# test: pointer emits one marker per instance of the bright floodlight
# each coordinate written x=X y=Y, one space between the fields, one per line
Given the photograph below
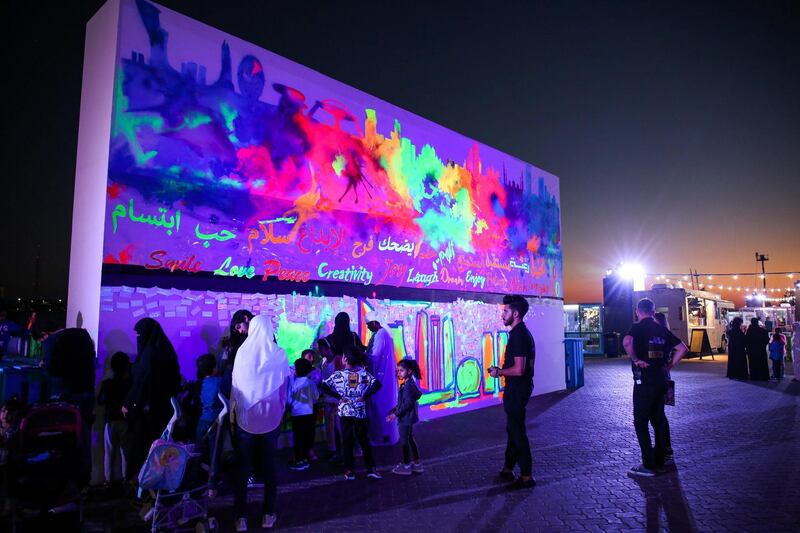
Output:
x=633 y=272
x=630 y=271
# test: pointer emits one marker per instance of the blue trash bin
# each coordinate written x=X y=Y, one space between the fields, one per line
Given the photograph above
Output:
x=573 y=351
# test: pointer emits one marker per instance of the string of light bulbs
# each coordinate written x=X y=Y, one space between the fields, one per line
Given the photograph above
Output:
x=734 y=275
x=704 y=278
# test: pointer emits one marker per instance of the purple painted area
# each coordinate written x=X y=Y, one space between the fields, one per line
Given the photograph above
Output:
x=226 y=158
x=453 y=359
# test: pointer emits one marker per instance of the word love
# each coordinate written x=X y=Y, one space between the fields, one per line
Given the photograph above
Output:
x=235 y=271
x=159 y=259
x=221 y=236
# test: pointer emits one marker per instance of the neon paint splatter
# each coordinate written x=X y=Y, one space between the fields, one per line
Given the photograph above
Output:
x=252 y=146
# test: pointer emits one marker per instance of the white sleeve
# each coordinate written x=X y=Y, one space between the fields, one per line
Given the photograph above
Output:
x=378 y=344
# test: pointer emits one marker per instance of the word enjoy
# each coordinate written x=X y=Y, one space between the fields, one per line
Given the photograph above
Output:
x=475 y=279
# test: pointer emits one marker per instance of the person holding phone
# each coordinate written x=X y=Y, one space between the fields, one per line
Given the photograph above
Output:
x=518 y=373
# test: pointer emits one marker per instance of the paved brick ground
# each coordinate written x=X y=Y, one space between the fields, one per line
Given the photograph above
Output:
x=737 y=450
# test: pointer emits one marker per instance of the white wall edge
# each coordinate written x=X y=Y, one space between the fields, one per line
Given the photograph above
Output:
x=91 y=169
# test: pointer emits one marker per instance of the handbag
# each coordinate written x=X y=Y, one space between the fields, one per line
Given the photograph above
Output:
x=669 y=395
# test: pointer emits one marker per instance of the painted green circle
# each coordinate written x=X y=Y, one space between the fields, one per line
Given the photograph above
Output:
x=468 y=376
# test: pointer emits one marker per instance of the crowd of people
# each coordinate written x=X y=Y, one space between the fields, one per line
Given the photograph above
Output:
x=751 y=348
x=340 y=379
x=337 y=377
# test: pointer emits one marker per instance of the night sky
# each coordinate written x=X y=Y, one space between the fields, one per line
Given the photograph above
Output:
x=674 y=127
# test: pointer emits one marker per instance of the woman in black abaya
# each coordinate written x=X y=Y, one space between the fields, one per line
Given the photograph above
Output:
x=737 y=355
x=756 y=341
x=342 y=338
x=156 y=378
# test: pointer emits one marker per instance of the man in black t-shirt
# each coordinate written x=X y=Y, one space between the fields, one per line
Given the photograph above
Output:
x=649 y=344
x=518 y=371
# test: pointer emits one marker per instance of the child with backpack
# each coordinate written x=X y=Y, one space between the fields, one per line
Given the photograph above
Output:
x=352 y=386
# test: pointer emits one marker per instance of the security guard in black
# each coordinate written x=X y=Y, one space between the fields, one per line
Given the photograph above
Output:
x=652 y=344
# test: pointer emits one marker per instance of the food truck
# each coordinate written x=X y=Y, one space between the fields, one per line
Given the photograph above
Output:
x=689 y=310
x=780 y=317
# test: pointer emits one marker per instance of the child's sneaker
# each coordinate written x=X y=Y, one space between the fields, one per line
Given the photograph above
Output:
x=373 y=474
x=268 y=521
x=349 y=476
x=241 y=525
x=402 y=470
x=418 y=468
x=299 y=465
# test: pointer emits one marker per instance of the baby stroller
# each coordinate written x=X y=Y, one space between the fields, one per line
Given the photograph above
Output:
x=45 y=462
x=175 y=473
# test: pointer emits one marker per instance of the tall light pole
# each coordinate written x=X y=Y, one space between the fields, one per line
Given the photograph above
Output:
x=762 y=258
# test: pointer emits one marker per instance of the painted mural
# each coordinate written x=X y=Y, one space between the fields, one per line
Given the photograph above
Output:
x=454 y=343
x=242 y=163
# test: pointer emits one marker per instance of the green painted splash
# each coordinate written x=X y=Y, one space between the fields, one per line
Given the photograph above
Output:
x=294 y=337
x=193 y=120
x=339 y=164
x=229 y=114
x=454 y=224
x=126 y=124
x=236 y=184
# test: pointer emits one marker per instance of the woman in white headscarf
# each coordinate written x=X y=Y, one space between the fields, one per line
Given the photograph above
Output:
x=258 y=400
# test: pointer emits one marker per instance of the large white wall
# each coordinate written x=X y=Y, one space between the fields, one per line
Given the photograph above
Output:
x=91 y=169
